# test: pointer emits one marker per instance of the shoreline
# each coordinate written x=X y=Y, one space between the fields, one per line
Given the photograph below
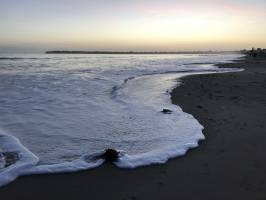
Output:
x=229 y=164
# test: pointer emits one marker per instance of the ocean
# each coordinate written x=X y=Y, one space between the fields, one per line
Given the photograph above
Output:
x=60 y=111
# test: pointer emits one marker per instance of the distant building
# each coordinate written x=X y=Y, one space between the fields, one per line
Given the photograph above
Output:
x=259 y=52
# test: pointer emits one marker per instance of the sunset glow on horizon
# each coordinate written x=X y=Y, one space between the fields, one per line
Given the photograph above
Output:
x=169 y=25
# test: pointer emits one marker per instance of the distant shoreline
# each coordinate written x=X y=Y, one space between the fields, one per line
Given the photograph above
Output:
x=138 y=52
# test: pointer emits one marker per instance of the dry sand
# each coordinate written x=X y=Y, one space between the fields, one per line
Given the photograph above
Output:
x=229 y=164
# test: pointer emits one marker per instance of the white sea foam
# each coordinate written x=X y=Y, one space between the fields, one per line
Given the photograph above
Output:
x=66 y=109
x=26 y=159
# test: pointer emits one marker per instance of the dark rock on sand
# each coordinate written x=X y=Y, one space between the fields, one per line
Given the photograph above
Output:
x=167 y=111
x=199 y=107
x=110 y=155
x=234 y=98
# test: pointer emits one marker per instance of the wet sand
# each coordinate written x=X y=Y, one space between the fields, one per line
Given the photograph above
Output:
x=229 y=164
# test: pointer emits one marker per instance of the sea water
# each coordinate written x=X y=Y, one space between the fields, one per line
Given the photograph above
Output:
x=58 y=111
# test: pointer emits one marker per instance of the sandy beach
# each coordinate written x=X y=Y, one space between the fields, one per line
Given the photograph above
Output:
x=229 y=164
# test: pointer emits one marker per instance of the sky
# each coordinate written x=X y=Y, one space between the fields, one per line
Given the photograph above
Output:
x=131 y=25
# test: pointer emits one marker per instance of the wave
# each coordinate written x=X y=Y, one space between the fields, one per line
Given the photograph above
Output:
x=126 y=117
x=116 y=88
x=26 y=163
x=14 y=58
x=21 y=58
x=26 y=159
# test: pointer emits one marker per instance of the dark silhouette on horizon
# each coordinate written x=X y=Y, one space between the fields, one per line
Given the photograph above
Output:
x=135 y=52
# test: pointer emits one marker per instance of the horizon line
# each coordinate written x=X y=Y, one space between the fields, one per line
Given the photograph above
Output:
x=137 y=52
